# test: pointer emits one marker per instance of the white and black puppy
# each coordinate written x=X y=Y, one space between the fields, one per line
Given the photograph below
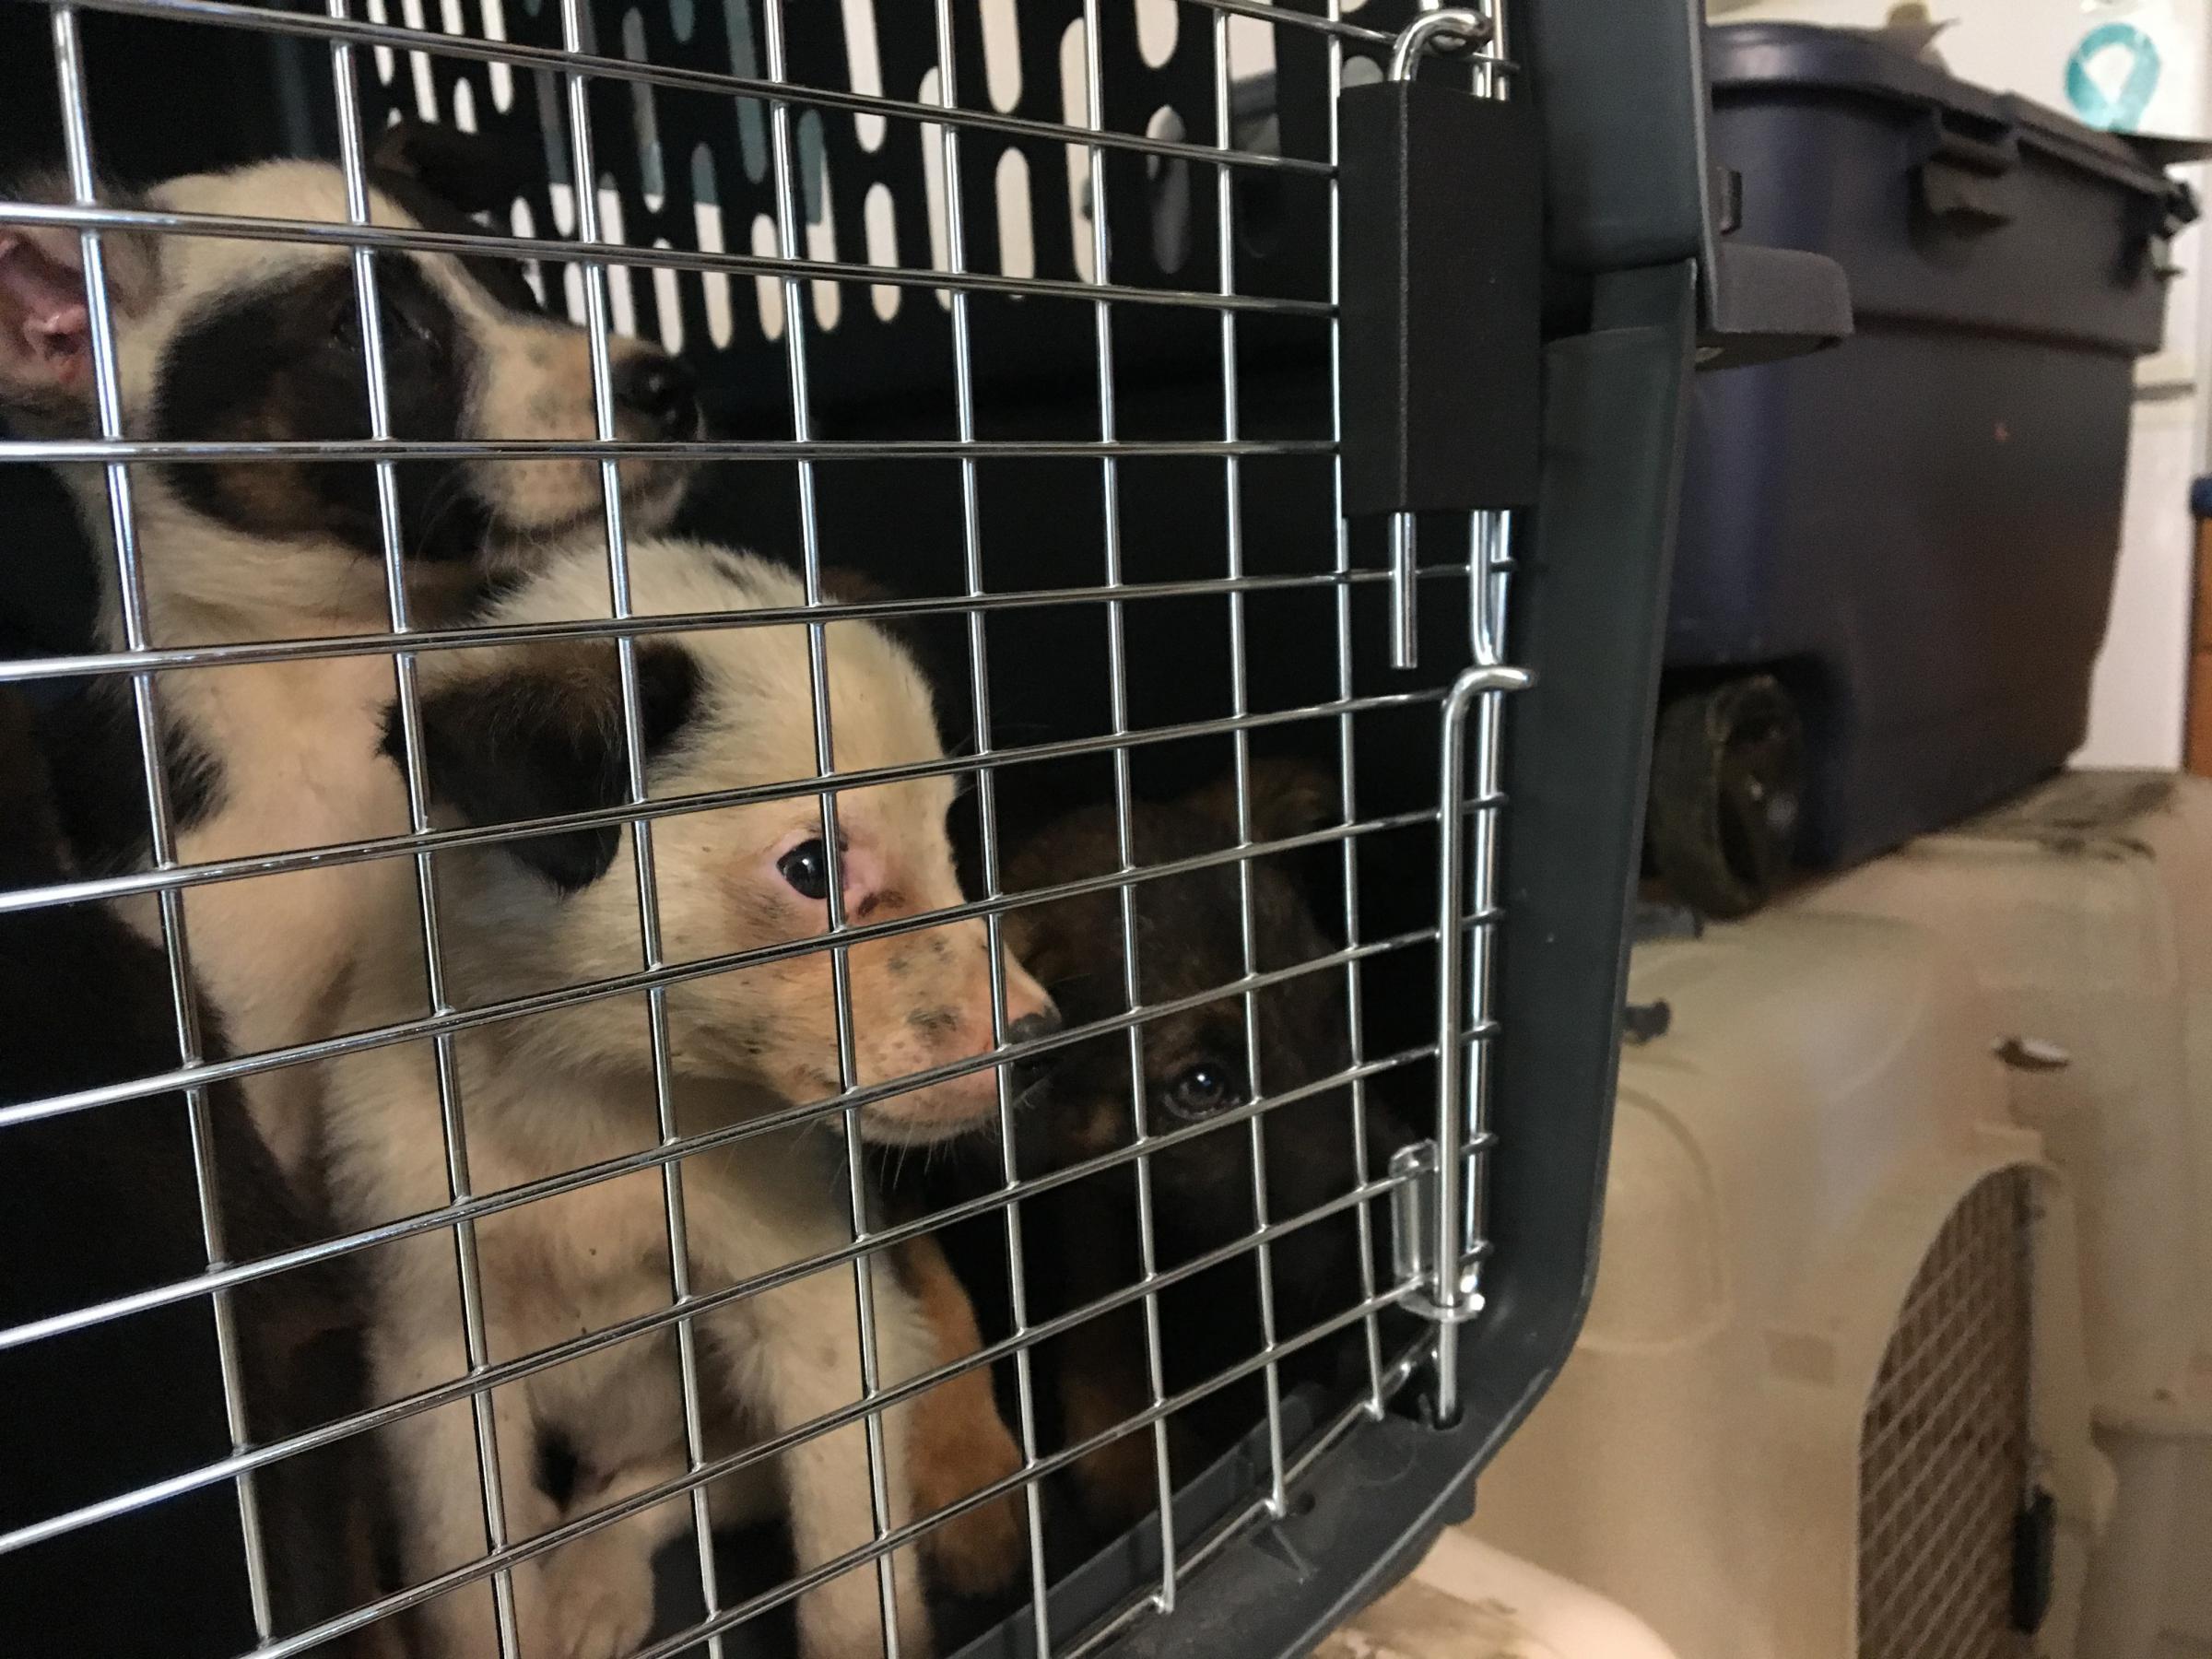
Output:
x=519 y=732
x=228 y=340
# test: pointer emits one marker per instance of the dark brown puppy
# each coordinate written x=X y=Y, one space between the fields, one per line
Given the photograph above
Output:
x=1082 y=1240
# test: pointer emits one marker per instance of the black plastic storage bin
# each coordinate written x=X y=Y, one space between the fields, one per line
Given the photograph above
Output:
x=1914 y=534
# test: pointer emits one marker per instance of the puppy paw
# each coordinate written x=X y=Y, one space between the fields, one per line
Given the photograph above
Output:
x=1119 y=1482
x=843 y=1618
x=979 y=1551
x=599 y=1621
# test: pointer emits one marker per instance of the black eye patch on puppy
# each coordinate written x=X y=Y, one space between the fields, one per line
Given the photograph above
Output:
x=543 y=737
x=281 y=361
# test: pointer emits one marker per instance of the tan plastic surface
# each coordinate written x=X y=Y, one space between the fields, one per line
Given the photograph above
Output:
x=2085 y=910
x=2086 y=913
x=1783 y=1160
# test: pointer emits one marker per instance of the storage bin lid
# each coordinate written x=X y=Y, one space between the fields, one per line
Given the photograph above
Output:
x=1749 y=58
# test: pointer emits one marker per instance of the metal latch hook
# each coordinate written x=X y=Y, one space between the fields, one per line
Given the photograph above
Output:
x=1447 y=28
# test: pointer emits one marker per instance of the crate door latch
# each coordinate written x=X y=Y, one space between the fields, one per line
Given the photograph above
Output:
x=1438 y=1230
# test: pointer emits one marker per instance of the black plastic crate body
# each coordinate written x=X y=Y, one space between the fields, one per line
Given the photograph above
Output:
x=693 y=170
x=1595 y=549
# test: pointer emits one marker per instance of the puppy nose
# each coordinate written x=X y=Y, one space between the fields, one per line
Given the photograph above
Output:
x=1031 y=1072
x=661 y=389
x=1027 y=1000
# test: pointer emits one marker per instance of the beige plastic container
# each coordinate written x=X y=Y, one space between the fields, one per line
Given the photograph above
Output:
x=1830 y=1259
x=2085 y=910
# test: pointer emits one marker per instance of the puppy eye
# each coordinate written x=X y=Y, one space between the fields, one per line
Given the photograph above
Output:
x=806 y=868
x=410 y=321
x=345 y=327
x=1201 y=1090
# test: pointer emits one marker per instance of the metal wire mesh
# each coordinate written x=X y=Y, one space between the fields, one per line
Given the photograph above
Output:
x=950 y=301
x=1943 y=1458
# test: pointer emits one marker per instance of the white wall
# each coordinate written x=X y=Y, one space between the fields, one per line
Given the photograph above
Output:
x=2138 y=696
x=2140 y=688
x=2022 y=45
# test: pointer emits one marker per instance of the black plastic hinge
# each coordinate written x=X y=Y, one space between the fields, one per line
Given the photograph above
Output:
x=1443 y=230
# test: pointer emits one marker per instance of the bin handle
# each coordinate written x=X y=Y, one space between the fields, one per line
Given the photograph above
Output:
x=1964 y=175
x=1993 y=151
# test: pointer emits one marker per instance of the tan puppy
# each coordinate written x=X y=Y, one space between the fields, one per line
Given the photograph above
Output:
x=228 y=340
x=522 y=731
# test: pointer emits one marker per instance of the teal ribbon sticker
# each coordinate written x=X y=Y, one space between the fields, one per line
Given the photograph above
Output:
x=2093 y=100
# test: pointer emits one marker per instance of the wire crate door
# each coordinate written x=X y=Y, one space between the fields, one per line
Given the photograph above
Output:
x=1001 y=350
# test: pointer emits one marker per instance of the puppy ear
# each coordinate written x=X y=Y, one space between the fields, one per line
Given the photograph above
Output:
x=45 y=322
x=471 y=173
x=542 y=738
x=1289 y=798
x=841 y=584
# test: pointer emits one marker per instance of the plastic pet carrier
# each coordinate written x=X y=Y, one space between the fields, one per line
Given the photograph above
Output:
x=1140 y=414
x=1895 y=560
x=1829 y=1400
